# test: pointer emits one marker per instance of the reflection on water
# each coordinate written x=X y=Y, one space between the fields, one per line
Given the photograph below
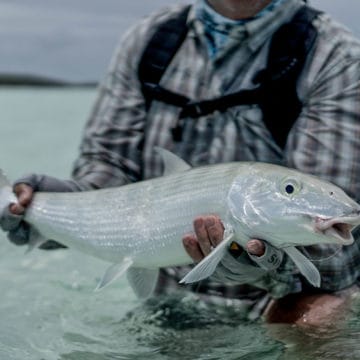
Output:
x=48 y=308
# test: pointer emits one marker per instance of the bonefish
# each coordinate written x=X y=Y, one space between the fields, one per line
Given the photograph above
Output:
x=138 y=227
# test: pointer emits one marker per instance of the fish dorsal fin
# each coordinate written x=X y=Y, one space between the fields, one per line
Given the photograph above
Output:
x=305 y=266
x=113 y=272
x=172 y=163
x=142 y=281
x=207 y=266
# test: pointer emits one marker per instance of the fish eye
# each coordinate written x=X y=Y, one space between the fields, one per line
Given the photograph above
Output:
x=290 y=187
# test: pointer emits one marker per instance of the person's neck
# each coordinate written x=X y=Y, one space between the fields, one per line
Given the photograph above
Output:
x=238 y=9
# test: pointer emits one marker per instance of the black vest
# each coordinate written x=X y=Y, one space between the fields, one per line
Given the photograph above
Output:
x=275 y=86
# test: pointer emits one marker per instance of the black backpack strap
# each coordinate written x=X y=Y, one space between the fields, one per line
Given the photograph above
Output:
x=158 y=54
x=275 y=90
x=288 y=52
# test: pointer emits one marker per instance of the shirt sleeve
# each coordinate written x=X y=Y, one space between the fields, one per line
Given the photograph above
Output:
x=110 y=151
x=112 y=141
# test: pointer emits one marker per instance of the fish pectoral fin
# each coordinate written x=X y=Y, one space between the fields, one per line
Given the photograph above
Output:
x=142 y=281
x=172 y=163
x=113 y=272
x=305 y=266
x=207 y=265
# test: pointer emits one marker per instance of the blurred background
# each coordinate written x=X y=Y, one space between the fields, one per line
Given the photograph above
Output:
x=73 y=39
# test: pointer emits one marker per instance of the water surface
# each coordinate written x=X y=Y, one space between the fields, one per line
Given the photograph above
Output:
x=48 y=308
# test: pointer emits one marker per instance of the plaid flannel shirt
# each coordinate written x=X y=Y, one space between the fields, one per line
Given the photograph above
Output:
x=325 y=140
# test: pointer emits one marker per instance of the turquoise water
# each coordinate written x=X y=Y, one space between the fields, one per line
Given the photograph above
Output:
x=48 y=308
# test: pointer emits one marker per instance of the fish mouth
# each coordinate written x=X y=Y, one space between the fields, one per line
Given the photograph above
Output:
x=339 y=228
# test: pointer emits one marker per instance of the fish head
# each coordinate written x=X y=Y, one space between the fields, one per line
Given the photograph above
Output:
x=288 y=208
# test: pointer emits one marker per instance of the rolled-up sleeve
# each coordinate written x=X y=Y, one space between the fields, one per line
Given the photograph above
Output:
x=110 y=151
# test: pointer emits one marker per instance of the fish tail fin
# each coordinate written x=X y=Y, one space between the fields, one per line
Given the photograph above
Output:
x=6 y=194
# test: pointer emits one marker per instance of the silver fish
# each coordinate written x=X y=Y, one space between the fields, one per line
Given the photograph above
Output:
x=138 y=227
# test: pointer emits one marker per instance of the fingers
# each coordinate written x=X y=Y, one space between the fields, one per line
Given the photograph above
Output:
x=215 y=229
x=202 y=235
x=24 y=194
x=255 y=247
x=209 y=232
x=18 y=231
x=192 y=247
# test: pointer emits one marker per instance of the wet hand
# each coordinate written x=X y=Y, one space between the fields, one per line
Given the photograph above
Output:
x=208 y=233
x=12 y=219
x=24 y=193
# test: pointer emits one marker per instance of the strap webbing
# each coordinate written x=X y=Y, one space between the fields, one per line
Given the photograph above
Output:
x=159 y=52
x=288 y=52
x=275 y=87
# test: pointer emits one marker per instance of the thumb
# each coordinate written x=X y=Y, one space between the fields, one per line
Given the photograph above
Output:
x=24 y=194
x=255 y=247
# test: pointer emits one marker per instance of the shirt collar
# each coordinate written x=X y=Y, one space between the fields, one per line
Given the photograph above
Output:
x=257 y=29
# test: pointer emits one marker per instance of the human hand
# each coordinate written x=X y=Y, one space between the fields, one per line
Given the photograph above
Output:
x=12 y=220
x=208 y=233
x=234 y=268
x=24 y=194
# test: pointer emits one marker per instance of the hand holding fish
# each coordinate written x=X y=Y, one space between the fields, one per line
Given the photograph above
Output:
x=235 y=267
x=12 y=219
x=208 y=233
x=24 y=193
x=24 y=189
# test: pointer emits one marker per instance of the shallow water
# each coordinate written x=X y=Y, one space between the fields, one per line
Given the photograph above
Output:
x=48 y=308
